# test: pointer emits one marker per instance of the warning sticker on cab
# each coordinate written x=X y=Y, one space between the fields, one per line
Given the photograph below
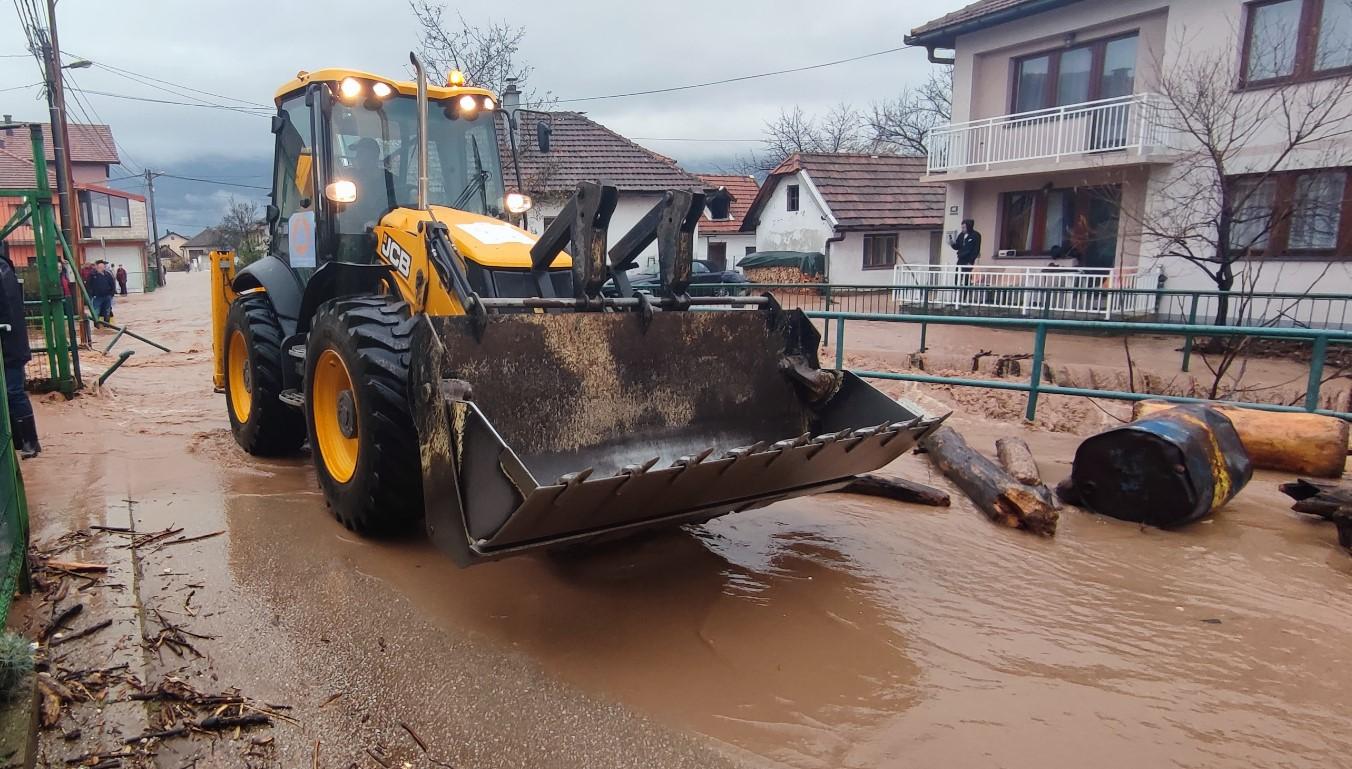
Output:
x=494 y=234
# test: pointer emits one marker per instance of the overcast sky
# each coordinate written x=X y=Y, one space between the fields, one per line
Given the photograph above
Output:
x=245 y=48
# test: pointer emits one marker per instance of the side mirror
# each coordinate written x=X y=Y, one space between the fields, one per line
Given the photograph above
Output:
x=271 y=214
x=542 y=134
x=719 y=203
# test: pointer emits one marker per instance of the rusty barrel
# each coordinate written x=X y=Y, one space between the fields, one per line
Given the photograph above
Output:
x=1168 y=470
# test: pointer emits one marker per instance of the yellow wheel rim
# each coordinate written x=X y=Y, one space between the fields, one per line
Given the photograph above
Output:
x=333 y=402
x=239 y=377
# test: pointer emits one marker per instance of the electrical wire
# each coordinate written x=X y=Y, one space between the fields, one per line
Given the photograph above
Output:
x=141 y=78
x=85 y=108
x=214 y=181
x=240 y=110
x=21 y=87
x=732 y=79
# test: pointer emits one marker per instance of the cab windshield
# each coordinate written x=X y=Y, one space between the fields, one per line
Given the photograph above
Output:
x=376 y=148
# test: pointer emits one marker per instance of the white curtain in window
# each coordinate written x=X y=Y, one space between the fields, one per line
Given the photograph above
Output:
x=1253 y=214
x=1317 y=210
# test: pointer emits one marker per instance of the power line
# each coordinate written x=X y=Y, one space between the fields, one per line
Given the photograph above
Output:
x=20 y=87
x=214 y=181
x=81 y=103
x=130 y=75
x=733 y=79
x=241 y=110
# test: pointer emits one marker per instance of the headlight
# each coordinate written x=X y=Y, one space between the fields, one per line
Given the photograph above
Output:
x=341 y=191
x=381 y=90
x=488 y=103
x=468 y=104
x=349 y=89
x=517 y=203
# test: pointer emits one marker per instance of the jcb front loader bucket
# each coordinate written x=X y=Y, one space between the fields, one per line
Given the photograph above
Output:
x=540 y=429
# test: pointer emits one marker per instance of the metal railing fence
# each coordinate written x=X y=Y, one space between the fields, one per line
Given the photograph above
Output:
x=1121 y=123
x=1319 y=340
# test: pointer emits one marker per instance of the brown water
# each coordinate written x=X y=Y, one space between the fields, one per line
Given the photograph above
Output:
x=830 y=632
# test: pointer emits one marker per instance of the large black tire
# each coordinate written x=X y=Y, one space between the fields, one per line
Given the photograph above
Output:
x=382 y=493
x=262 y=424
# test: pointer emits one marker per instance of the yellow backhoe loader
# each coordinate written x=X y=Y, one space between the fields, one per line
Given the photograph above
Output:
x=451 y=370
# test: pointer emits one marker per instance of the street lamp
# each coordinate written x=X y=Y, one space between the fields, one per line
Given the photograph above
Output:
x=78 y=64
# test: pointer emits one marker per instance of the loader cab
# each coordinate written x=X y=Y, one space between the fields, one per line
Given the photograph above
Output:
x=347 y=154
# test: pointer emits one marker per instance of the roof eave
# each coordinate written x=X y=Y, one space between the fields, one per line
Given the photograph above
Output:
x=946 y=37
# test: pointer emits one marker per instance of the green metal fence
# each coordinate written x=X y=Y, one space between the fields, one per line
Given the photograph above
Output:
x=56 y=357
x=1245 y=308
x=1319 y=340
x=13 y=515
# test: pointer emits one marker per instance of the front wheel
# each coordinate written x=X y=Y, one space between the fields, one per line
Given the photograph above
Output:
x=358 y=413
x=261 y=423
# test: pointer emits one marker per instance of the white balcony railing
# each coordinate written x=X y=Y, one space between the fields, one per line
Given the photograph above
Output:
x=1075 y=130
x=1046 y=291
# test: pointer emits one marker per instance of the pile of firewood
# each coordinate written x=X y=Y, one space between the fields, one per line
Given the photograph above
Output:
x=779 y=274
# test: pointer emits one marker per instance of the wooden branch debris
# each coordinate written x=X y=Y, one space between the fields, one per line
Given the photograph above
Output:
x=898 y=489
x=1304 y=444
x=1017 y=459
x=1330 y=501
x=92 y=629
x=76 y=566
x=999 y=495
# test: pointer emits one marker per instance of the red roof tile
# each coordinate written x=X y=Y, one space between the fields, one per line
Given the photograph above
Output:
x=583 y=150
x=743 y=190
x=864 y=192
x=88 y=144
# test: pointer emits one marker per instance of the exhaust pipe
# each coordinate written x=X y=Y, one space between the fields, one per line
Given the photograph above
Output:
x=422 y=128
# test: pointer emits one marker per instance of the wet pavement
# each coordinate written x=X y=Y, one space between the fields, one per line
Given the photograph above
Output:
x=837 y=631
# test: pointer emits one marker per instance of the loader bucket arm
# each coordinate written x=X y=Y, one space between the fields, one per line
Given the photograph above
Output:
x=541 y=429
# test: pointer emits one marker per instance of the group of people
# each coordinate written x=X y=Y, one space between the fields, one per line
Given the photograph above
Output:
x=102 y=285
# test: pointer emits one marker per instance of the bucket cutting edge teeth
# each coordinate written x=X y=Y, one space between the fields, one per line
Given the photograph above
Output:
x=690 y=460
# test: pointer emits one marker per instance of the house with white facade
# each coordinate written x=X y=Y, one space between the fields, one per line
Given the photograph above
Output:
x=580 y=149
x=721 y=240
x=872 y=216
x=114 y=227
x=1063 y=140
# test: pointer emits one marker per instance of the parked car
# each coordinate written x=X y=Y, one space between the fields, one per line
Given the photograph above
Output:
x=703 y=282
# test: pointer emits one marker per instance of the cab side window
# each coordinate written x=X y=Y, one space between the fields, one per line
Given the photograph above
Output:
x=292 y=176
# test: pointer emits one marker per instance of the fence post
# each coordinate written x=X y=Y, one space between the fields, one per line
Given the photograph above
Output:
x=1039 y=347
x=826 y=324
x=840 y=344
x=1317 y=355
x=1187 y=340
x=924 y=310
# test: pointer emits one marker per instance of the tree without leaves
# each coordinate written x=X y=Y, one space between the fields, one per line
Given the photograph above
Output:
x=841 y=129
x=903 y=125
x=489 y=55
x=1201 y=212
x=241 y=231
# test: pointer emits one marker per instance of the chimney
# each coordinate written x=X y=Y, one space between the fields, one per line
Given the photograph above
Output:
x=511 y=102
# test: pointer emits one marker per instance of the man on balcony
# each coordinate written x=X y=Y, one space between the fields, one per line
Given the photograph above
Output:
x=968 y=246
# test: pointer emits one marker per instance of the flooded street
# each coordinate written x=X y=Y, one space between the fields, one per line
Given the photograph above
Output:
x=836 y=631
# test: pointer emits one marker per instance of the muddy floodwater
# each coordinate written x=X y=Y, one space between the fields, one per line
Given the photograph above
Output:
x=835 y=631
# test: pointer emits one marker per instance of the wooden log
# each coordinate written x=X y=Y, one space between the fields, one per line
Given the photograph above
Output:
x=898 y=489
x=1308 y=444
x=1002 y=498
x=1017 y=459
x=1330 y=501
x=76 y=566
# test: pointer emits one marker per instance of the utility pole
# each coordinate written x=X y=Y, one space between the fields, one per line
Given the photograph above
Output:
x=153 y=265
x=65 y=179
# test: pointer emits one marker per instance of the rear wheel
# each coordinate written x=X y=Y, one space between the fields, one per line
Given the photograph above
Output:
x=359 y=416
x=261 y=423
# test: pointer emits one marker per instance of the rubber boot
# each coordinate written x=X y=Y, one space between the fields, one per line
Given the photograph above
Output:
x=26 y=437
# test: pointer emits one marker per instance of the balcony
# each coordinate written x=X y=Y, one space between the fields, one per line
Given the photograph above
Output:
x=1126 y=125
